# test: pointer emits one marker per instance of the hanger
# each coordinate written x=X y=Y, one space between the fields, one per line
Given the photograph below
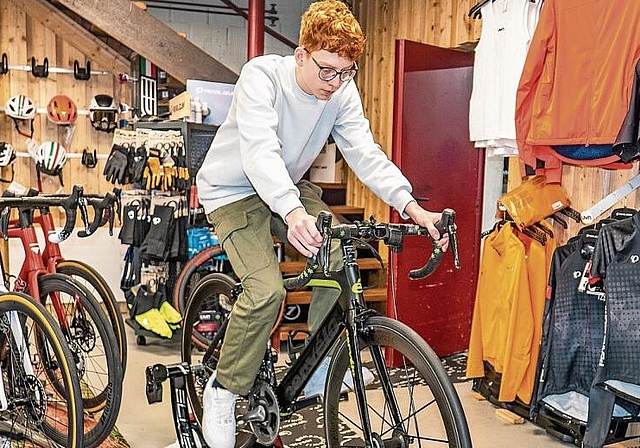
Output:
x=475 y=12
x=622 y=213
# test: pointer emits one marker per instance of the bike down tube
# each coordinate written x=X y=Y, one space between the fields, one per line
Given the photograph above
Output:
x=319 y=344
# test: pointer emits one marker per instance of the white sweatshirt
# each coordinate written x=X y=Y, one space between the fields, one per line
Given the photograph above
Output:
x=274 y=132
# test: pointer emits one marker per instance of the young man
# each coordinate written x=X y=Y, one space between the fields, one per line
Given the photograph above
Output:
x=282 y=113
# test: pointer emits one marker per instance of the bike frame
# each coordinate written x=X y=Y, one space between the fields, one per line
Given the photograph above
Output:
x=33 y=266
x=349 y=312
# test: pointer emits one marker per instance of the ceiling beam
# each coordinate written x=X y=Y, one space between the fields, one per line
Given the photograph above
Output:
x=152 y=39
x=75 y=35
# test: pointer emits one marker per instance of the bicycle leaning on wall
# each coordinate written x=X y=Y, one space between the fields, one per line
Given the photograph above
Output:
x=411 y=401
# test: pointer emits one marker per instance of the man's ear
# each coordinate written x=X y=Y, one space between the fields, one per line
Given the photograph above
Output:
x=299 y=54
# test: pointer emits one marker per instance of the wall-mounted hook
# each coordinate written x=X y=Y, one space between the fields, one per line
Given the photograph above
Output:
x=40 y=71
x=89 y=160
x=81 y=73
x=272 y=10
x=4 y=65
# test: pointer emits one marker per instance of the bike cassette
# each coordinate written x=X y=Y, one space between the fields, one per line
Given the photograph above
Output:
x=263 y=415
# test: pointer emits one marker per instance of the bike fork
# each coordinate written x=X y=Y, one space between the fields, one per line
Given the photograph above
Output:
x=355 y=364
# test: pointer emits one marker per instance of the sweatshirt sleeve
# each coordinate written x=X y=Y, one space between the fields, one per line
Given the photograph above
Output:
x=260 y=147
x=364 y=156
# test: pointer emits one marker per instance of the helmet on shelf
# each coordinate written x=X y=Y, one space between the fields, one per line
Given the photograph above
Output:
x=103 y=113
x=50 y=158
x=20 y=108
x=62 y=110
x=7 y=154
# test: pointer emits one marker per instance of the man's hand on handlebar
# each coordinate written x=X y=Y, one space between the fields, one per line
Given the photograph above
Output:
x=302 y=232
x=427 y=219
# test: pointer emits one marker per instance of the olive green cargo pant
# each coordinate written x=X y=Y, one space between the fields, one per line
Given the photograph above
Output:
x=244 y=230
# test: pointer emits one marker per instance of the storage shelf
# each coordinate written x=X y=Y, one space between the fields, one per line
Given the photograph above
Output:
x=304 y=297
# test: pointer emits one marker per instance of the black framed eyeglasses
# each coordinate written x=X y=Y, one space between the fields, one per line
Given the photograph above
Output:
x=329 y=73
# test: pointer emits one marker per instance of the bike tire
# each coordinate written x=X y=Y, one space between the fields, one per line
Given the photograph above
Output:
x=93 y=344
x=61 y=423
x=434 y=411
x=191 y=274
x=98 y=286
x=212 y=298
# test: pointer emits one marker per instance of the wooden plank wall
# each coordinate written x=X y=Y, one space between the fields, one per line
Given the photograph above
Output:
x=21 y=37
x=444 y=23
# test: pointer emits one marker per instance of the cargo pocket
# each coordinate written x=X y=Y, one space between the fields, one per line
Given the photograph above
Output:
x=246 y=239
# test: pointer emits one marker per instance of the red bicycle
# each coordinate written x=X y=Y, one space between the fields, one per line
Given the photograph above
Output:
x=85 y=274
x=81 y=318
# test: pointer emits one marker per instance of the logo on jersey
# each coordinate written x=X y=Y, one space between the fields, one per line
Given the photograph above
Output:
x=634 y=258
x=577 y=274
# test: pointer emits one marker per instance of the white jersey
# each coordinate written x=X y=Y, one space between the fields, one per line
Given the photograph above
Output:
x=507 y=28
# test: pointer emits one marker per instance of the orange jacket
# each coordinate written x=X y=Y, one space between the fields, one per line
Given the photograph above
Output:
x=502 y=323
x=576 y=82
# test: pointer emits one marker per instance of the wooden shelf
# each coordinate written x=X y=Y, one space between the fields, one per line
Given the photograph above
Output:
x=304 y=297
x=347 y=210
x=331 y=185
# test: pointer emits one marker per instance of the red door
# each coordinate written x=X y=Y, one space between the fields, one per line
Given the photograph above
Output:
x=432 y=148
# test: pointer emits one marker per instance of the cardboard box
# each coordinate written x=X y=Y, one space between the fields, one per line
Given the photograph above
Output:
x=325 y=168
x=180 y=106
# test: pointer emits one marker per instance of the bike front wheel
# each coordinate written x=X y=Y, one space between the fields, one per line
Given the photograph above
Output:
x=42 y=401
x=411 y=400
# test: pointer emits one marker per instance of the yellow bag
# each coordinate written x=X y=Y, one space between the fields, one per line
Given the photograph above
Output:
x=534 y=201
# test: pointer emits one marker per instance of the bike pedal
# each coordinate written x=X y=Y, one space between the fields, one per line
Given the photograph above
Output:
x=155 y=375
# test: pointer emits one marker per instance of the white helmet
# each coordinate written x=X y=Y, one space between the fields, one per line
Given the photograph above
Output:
x=50 y=158
x=20 y=107
x=7 y=154
x=103 y=113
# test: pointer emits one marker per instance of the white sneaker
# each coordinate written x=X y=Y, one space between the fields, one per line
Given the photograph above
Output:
x=315 y=386
x=218 y=416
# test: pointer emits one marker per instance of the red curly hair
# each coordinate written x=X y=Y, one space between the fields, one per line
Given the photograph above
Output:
x=330 y=25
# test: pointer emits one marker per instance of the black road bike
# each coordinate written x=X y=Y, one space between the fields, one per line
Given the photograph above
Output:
x=411 y=401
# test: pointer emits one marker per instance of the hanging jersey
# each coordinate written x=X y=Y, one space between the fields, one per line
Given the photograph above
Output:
x=507 y=28
x=616 y=259
x=572 y=336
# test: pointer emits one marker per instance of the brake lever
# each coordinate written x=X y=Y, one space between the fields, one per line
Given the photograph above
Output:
x=324 y=226
x=4 y=222
x=447 y=225
x=70 y=206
